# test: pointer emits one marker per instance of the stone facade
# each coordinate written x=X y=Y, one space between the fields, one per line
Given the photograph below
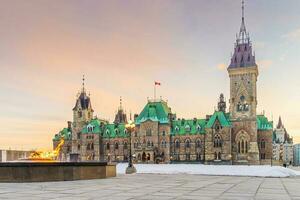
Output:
x=239 y=136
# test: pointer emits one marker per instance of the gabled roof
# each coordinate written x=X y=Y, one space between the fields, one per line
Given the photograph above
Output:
x=106 y=130
x=190 y=126
x=155 y=111
x=65 y=133
x=222 y=117
x=263 y=123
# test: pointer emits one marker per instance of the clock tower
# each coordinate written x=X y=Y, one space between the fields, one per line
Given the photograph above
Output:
x=243 y=73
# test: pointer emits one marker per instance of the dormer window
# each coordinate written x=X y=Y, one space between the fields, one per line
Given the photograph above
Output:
x=187 y=128
x=116 y=131
x=198 y=128
x=176 y=129
x=90 y=128
x=107 y=132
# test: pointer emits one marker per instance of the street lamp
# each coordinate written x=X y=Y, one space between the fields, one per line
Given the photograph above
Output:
x=130 y=128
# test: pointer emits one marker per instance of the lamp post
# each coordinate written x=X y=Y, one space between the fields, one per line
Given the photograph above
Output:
x=130 y=127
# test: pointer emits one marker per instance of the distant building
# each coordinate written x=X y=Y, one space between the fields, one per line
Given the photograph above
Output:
x=13 y=155
x=296 y=149
x=282 y=144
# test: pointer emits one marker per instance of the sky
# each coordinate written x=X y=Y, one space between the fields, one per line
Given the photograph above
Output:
x=123 y=46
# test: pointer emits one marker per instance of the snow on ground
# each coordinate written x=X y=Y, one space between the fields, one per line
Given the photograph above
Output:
x=220 y=170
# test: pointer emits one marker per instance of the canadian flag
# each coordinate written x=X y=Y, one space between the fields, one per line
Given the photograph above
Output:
x=157 y=83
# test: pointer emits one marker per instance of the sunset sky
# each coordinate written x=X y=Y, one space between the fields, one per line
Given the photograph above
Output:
x=123 y=46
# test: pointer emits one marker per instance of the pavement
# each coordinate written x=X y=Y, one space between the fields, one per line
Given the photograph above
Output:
x=158 y=186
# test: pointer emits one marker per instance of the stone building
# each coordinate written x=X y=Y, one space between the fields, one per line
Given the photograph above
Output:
x=234 y=136
x=282 y=144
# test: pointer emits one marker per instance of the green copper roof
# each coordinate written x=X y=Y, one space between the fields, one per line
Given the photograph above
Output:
x=155 y=111
x=263 y=123
x=66 y=133
x=107 y=130
x=185 y=127
x=222 y=117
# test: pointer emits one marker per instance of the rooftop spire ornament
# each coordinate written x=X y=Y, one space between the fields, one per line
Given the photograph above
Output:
x=83 y=79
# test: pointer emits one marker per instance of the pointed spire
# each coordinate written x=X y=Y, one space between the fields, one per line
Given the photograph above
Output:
x=243 y=36
x=280 y=124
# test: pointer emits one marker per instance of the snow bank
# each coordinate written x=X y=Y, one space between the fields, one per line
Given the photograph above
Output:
x=220 y=170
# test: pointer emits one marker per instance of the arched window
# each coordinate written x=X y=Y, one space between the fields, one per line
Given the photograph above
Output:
x=125 y=145
x=92 y=146
x=116 y=131
x=164 y=133
x=116 y=146
x=187 y=143
x=176 y=129
x=198 y=143
x=242 y=142
x=177 y=144
x=219 y=156
x=107 y=146
x=216 y=156
x=262 y=144
x=217 y=141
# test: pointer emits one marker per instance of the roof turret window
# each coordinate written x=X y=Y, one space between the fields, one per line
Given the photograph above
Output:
x=187 y=128
x=198 y=128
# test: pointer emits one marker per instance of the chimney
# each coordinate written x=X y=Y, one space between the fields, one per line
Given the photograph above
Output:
x=69 y=124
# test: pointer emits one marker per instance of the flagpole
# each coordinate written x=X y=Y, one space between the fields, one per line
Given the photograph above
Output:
x=154 y=91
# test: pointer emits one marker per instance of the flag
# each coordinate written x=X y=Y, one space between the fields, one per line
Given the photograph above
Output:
x=157 y=83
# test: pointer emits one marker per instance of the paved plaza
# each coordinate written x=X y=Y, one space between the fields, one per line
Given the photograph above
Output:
x=156 y=186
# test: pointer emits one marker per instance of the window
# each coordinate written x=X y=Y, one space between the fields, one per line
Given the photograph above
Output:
x=262 y=144
x=78 y=135
x=90 y=146
x=242 y=146
x=79 y=114
x=218 y=156
x=187 y=128
x=163 y=144
x=116 y=131
x=148 y=143
x=107 y=146
x=148 y=132
x=198 y=143
x=116 y=146
x=217 y=141
x=176 y=129
x=78 y=147
x=198 y=128
x=187 y=143
x=164 y=133
x=177 y=144
x=125 y=145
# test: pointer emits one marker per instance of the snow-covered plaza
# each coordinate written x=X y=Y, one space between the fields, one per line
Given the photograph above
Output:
x=169 y=182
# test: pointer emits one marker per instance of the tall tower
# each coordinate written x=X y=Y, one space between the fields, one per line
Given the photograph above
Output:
x=243 y=73
x=82 y=112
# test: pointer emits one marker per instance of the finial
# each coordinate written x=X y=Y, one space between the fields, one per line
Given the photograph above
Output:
x=243 y=10
x=120 y=102
x=83 y=79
